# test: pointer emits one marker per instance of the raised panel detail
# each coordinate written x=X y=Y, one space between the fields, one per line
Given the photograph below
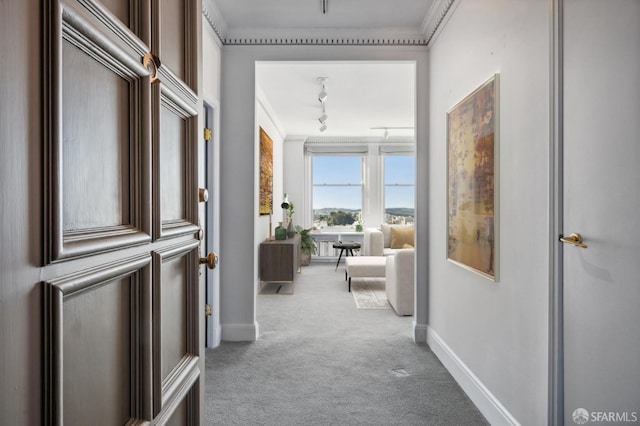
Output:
x=99 y=371
x=172 y=33
x=97 y=355
x=172 y=164
x=173 y=320
x=121 y=9
x=95 y=159
x=175 y=188
x=176 y=315
x=98 y=142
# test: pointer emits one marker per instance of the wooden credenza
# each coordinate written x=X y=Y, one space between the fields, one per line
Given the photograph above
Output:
x=280 y=260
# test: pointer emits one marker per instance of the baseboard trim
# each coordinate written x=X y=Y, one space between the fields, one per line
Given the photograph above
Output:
x=486 y=402
x=240 y=332
x=217 y=337
x=419 y=332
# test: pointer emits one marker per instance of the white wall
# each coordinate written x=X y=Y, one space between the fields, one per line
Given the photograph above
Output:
x=294 y=180
x=496 y=330
x=240 y=221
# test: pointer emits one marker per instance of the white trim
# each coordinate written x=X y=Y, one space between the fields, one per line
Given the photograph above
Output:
x=437 y=18
x=217 y=337
x=325 y=36
x=482 y=397
x=240 y=332
x=262 y=100
x=420 y=332
x=215 y=19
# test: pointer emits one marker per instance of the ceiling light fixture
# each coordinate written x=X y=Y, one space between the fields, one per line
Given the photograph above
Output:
x=386 y=135
x=322 y=97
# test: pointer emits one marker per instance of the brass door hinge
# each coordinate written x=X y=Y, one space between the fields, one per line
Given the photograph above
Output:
x=208 y=134
x=208 y=310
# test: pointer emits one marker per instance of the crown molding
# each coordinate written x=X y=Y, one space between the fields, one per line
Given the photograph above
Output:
x=215 y=19
x=435 y=19
x=325 y=36
x=268 y=109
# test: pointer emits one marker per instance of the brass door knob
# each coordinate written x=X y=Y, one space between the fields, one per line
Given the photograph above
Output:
x=211 y=260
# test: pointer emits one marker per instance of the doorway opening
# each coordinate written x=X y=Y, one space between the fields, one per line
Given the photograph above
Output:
x=328 y=114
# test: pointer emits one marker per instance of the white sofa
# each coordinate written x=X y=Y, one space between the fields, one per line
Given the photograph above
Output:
x=377 y=241
x=399 y=281
x=399 y=267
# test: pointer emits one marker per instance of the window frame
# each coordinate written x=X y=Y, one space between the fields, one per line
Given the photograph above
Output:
x=312 y=185
x=384 y=185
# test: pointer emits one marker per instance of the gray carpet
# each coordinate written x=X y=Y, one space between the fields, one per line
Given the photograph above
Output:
x=321 y=361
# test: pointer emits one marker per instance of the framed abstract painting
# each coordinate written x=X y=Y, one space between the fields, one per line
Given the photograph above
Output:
x=472 y=177
x=266 y=173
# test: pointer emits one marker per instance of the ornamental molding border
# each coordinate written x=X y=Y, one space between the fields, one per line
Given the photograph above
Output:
x=325 y=36
x=307 y=37
x=435 y=19
x=214 y=17
x=432 y=24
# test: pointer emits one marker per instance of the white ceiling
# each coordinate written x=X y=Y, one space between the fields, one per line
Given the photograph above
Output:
x=361 y=95
x=308 y=13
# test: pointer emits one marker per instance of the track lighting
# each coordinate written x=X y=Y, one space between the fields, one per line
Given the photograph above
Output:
x=322 y=97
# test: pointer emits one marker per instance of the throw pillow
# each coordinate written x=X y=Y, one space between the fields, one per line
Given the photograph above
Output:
x=407 y=246
x=401 y=236
x=386 y=231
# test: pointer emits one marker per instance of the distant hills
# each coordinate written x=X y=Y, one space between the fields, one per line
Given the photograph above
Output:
x=400 y=211
x=328 y=210
x=395 y=211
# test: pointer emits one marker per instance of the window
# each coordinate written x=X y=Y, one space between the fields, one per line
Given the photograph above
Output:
x=399 y=189
x=336 y=192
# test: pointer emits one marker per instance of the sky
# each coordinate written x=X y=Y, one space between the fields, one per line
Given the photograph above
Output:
x=347 y=169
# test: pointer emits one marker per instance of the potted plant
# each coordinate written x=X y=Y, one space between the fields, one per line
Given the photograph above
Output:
x=307 y=245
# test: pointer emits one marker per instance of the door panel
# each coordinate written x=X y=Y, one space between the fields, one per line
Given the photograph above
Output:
x=123 y=307
x=97 y=102
x=174 y=164
x=601 y=202
x=97 y=343
x=172 y=33
x=99 y=167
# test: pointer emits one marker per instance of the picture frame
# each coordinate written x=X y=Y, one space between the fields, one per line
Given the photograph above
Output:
x=266 y=174
x=472 y=180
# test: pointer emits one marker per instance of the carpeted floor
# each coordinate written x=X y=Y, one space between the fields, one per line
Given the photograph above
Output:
x=321 y=361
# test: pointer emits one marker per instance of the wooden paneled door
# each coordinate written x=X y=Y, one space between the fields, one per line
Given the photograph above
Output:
x=124 y=310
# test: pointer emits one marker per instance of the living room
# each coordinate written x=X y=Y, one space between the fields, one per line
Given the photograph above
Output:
x=341 y=139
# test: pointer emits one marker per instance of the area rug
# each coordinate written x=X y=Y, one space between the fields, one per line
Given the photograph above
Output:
x=369 y=294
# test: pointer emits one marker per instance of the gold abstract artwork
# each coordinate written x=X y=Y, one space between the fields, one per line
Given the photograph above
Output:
x=266 y=173
x=471 y=175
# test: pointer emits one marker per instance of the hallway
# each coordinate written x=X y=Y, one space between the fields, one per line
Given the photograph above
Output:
x=321 y=361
